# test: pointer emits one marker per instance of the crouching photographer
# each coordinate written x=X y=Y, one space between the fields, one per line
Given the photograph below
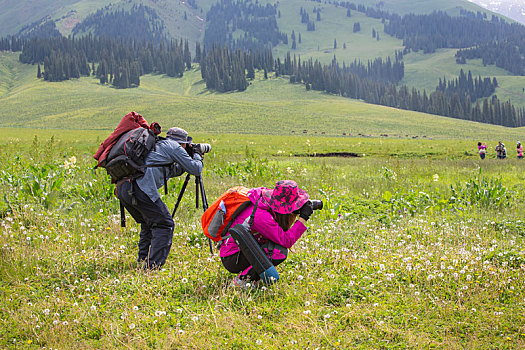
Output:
x=141 y=197
x=277 y=219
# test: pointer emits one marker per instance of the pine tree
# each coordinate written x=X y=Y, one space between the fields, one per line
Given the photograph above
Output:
x=335 y=44
x=38 y=72
x=187 y=55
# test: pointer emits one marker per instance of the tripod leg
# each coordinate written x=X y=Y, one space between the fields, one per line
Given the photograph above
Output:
x=122 y=215
x=197 y=191
x=200 y=187
x=181 y=193
x=203 y=195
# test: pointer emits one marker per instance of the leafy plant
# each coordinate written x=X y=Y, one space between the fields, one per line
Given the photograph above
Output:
x=483 y=192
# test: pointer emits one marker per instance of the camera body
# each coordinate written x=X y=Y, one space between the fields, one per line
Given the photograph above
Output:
x=199 y=148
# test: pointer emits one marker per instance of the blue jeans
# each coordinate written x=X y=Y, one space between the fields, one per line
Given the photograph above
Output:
x=156 y=224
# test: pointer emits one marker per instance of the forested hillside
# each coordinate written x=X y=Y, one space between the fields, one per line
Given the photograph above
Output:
x=354 y=49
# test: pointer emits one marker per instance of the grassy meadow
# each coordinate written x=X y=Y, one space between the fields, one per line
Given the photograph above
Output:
x=411 y=250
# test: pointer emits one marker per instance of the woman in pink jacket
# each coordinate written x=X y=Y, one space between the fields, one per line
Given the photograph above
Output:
x=275 y=227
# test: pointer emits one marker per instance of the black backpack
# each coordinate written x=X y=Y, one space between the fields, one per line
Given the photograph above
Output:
x=127 y=157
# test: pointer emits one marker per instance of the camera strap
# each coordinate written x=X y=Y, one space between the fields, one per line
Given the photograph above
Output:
x=249 y=220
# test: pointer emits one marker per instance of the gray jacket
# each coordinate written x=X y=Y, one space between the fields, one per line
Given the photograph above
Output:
x=166 y=152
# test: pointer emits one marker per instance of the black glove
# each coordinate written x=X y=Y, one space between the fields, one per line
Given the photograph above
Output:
x=306 y=211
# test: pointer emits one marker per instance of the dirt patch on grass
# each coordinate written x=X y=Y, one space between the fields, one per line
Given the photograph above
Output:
x=331 y=154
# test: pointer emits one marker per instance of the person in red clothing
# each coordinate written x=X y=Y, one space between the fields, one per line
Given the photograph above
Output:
x=275 y=227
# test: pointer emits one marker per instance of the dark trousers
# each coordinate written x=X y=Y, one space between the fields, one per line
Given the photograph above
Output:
x=237 y=263
x=156 y=223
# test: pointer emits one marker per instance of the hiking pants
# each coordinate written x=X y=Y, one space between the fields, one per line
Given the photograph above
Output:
x=237 y=262
x=156 y=224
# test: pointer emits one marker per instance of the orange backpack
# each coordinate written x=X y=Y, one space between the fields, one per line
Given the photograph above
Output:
x=219 y=217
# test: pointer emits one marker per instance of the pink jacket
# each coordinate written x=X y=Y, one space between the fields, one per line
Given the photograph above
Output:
x=264 y=227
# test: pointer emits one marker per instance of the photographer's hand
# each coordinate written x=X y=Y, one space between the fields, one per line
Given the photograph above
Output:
x=306 y=211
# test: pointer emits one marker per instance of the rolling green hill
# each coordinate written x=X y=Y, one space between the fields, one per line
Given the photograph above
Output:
x=421 y=71
x=270 y=106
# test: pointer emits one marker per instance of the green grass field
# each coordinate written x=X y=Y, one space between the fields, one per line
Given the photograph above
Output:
x=398 y=258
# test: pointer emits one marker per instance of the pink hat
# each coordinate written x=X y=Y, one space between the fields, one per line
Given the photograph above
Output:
x=286 y=197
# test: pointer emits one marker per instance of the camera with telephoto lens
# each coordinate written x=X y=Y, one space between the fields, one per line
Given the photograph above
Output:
x=317 y=204
x=199 y=148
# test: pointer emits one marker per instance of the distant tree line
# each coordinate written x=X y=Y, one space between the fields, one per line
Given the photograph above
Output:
x=475 y=88
x=453 y=102
x=225 y=69
x=439 y=30
x=120 y=62
x=12 y=43
x=495 y=41
x=140 y=23
x=257 y=23
x=508 y=54
x=46 y=29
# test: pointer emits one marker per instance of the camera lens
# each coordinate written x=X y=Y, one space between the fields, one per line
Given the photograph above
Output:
x=317 y=204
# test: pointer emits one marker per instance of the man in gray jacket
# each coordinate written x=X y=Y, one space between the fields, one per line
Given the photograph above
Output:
x=141 y=196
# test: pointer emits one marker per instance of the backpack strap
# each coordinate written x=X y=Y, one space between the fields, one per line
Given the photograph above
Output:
x=164 y=173
x=248 y=221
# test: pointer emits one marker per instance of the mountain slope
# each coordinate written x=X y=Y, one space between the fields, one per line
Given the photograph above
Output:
x=270 y=106
x=514 y=9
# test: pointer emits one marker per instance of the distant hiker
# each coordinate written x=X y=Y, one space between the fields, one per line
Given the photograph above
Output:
x=141 y=197
x=501 y=151
x=482 y=149
x=274 y=226
x=519 y=150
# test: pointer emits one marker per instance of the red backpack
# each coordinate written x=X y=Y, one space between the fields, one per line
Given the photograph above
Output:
x=217 y=220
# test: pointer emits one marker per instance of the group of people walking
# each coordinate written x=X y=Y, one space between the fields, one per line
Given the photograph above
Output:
x=501 y=151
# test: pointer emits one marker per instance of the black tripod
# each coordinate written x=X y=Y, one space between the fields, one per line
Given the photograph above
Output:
x=199 y=187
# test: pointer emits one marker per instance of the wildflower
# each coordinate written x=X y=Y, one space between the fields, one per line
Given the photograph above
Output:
x=258 y=342
x=55 y=322
x=327 y=316
x=65 y=323
x=195 y=318
x=259 y=317
x=93 y=307
x=300 y=278
x=184 y=280
x=307 y=312
x=131 y=326
x=306 y=303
